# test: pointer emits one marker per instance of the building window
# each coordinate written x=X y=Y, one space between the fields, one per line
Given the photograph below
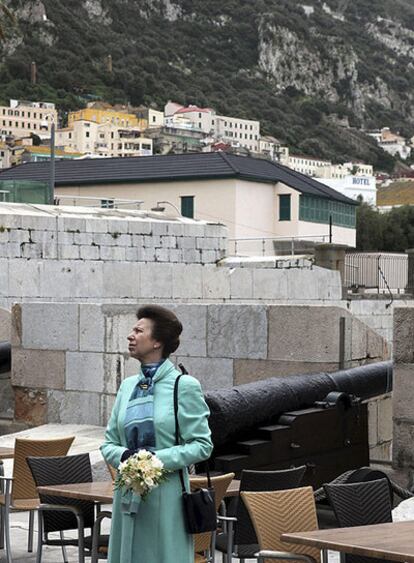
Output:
x=319 y=210
x=153 y=118
x=284 y=207
x=87 y=134
x=107 y=203
x=187 y=206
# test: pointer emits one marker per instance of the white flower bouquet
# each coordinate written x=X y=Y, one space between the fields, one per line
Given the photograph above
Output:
x=141 y=473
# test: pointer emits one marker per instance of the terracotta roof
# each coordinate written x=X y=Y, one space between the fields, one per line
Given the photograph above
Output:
x=191 y=109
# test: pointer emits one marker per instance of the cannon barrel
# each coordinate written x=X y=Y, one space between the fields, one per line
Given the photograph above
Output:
x=5 y=357
x=240 y=408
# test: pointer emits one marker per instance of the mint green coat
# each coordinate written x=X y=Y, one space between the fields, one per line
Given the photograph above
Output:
x=156 y=534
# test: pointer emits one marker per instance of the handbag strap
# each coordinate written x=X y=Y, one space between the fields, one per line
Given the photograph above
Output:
x=177 y=435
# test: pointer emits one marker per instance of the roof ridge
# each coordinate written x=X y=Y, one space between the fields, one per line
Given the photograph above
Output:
x=309 y=180
x=226 y=159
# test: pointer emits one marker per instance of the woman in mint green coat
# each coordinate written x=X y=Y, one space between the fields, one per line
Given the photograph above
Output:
x=153 y=531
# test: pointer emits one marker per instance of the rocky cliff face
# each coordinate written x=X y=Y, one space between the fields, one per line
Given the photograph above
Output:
x=267 y=59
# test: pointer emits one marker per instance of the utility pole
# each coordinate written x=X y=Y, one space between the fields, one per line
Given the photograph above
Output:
x=52 y=165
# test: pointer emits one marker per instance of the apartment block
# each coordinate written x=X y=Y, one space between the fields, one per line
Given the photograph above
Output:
x=106 y=139
x=21 y=118
x=235 y=131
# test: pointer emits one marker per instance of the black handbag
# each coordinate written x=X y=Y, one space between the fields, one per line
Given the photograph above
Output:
x=199 y=506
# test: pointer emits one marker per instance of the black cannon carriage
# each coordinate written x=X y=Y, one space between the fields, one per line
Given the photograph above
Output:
x=320 y=420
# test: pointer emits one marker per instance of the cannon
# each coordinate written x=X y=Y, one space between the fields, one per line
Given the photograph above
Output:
x=5 y=357
x=315 y=419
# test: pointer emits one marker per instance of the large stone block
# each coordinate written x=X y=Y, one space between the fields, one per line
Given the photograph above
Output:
x=403 y=392
x=88 y=252
x=139 y=226
x=373 y=423
x=68 y=252
x=302 y=284
x=404 y=334
x=31 y=406
x=41 y=369
x=213 y=373
x=402 y=444
x=89 y=279
x=38 y=222
x=247 y=371
x=304 y=333
x=58 y=279
x=64 y=407
x=186 y=279
x=241 y=283
x=4 y=277
x=6 y=399
x=118 y=326
x=85 y=371
x=237 y=331
x=156 y=281
x=121 y=280
x=24 y=278
x=114 y=372
x=91 y=328
x=107 y=403
x=5 y=325
x=194 y=335
x=385 y=419
x=50 y=326
x=216 y=282
x=270 y=284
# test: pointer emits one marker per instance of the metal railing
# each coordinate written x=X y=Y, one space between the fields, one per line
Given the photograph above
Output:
x=266 y=246
x=382 y=272
x=106 y=202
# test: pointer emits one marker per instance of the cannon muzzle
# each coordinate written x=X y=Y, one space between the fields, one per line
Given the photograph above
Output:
x=5 y=357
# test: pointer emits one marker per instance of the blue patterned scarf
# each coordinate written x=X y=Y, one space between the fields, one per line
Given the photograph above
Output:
x=139 y=418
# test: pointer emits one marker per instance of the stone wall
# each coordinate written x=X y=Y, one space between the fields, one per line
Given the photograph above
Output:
x=84 y=349
x=403 y=394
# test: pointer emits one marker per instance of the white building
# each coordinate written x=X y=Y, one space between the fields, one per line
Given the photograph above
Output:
x=104 y=139
x=255 y=198
x=235 y=131
x=21 y=118
x=392 y=143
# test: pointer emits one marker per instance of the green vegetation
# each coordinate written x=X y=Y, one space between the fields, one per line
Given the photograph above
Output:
x=208 y=54
x=387 y=232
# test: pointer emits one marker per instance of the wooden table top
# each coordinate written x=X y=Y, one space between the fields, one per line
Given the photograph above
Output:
x=102 y=491
x=393 y=541
x=6 y=453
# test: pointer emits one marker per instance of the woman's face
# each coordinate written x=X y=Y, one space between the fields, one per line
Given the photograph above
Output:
x=141 y=345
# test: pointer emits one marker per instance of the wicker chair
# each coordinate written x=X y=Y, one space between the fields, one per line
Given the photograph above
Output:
x=20 y=492
x=239 y=538
x=204 y=547
x=57 y=514
x=360 y=504
x=278 y=512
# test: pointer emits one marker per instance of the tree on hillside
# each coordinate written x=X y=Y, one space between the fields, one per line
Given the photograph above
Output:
x=6 y=19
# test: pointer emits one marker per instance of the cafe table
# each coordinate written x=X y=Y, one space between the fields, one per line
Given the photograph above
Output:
x=392 y=541
x=102 y=491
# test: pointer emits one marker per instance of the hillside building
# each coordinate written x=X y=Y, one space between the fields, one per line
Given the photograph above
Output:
x=255 y=198
x=236 y=131
x=21 y=118
x=104 y=139
x=392 y=143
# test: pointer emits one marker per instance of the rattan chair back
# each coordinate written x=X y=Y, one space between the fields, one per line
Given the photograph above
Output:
x=360 y=504
x=262 y=481
x=220 y=484
x=278 y=512
x=58 y=471
x=23 y=484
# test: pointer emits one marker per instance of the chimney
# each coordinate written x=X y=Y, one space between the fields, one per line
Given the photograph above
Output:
x=33 y=73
